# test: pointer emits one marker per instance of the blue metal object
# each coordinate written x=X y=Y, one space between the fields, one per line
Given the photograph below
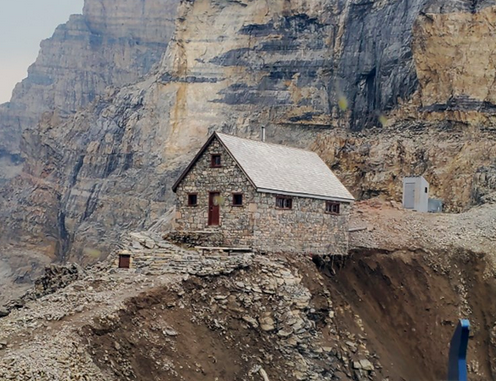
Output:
x=457 y=366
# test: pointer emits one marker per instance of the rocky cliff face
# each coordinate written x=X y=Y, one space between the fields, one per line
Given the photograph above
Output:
x=360 y=82
x=456 y=160
x=113 y=43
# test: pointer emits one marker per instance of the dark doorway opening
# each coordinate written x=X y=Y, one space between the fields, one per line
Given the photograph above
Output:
x=124 y=261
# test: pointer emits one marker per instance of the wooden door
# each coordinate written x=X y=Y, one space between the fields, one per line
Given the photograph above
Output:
x=213 y=208
x=124 y=261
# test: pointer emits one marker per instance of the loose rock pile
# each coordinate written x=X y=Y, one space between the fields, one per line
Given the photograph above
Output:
x=292 y=336
x=40 y=340
x=55 y=278
x=273 y=300
x=265 y=312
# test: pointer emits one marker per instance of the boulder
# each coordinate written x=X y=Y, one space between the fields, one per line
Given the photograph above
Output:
x=4 y=312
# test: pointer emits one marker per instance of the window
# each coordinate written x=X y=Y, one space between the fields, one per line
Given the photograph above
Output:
x=192 y=199
x=426 y=190
x=332 y=207
x=216 y=161
x=284 y=202
x=237 y=199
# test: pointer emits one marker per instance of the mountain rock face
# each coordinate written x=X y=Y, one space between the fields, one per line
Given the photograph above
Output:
x=112 y=44
x=364 y=83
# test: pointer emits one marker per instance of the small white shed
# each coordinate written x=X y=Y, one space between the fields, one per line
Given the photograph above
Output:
x=416 y=194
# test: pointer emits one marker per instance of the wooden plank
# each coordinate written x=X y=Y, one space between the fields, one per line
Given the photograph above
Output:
x=357 y=229
x=223 y=248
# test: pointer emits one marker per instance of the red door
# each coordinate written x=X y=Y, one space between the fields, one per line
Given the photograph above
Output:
x=213 y=208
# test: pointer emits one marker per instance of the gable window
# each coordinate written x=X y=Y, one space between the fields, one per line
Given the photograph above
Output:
x=283 y=202
x=332 y=207
x=216 y=161
x=237 y=199
x=192 y=199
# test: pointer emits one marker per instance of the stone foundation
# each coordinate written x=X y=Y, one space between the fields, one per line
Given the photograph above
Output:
x=192 y=239
x=152 y=255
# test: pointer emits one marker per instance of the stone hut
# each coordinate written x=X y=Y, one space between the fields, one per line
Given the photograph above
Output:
x=268 y=197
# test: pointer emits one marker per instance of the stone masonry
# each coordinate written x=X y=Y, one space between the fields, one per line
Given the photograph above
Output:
x=305 y=229
x=258 y=224
x=151 y=254
x=236 y=222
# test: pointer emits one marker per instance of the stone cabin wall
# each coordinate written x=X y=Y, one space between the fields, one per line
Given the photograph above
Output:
x=304 y=229
x=236 y=222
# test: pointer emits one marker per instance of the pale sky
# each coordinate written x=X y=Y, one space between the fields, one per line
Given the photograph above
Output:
x=23 y=24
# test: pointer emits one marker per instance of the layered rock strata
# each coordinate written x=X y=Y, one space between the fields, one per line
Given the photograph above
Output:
x=113 y=43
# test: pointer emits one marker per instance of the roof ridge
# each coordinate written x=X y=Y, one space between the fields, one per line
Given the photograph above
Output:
x=268 y=143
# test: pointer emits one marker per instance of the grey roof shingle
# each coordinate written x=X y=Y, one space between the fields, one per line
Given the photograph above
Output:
x=280 y=169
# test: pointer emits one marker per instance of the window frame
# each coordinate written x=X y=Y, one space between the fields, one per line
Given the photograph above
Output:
x=234 y=194
x=213 y=164
x=189 y=201
x=285 y=198
x=332 y=204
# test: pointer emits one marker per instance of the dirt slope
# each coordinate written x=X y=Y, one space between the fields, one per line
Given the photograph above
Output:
x=410 y=309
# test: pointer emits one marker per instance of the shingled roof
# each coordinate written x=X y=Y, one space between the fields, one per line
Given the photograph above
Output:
x=274 y=168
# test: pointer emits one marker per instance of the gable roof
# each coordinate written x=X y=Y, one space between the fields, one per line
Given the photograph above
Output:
x=274 y=168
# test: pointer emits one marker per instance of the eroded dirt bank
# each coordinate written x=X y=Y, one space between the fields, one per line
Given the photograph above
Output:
x=258 y=321
x=372 y=316
x=410 y=302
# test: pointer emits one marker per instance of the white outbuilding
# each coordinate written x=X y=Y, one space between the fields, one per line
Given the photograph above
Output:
x=416 y=194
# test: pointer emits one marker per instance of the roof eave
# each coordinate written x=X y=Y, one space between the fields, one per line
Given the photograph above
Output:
x=306 y=195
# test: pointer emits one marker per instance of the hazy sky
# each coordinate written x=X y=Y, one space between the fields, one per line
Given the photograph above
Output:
x=23 y=24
